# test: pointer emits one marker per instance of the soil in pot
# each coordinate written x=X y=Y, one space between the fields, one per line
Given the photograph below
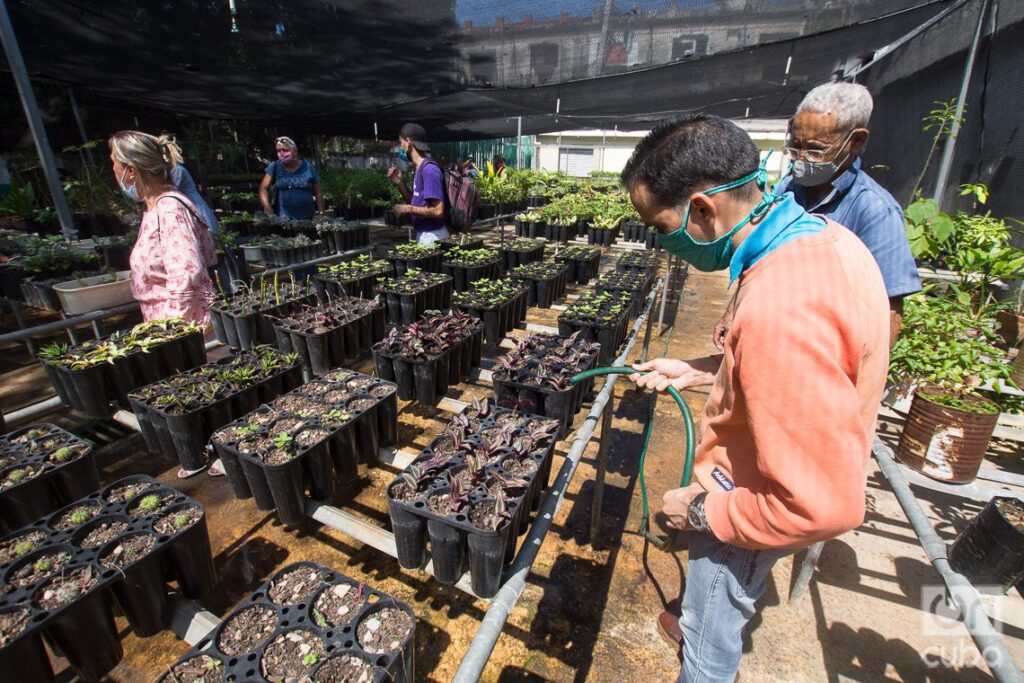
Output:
x=66 y=454
x=198 y=669
x=403 y=494
x=103 y=534
x=346 y=669
x=19 y=475
x=311 y=436
x=295 y=586
x=20 y=545
x=123 y=494
x=14 y=622
x=362 y=404
x=177 y=521
x=520 y=468
x=67 y=588
x=482 y=516
x=247 y=630
x=338 y=605
x=44 y=566
x=438 y=504
x=76 y=516
x=1014 y=514
x=129 y=550
x=291 y=655
x=294 y=403
x=384 y=630
x=150 y=504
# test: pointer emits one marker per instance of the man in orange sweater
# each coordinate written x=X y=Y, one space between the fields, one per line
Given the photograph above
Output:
x=787 y=429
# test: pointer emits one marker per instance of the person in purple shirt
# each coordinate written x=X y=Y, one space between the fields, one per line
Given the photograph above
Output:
x=826 y=138
x=425 y=203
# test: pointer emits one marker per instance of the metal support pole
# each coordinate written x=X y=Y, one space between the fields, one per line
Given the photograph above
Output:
x=664 y=296
x=601 y=464
x=58 y=325
x=29 y=344
x=650 y=318
x=519 y=143
x=35 y=122
x=81 y=128
x=480 y=649
x=803 y=579
x=963 y=595
x=965 y=83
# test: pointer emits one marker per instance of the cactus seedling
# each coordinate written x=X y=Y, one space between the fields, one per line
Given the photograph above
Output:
x=63 y=454
x=43 y=565
x=150 y=503
x=81 y=516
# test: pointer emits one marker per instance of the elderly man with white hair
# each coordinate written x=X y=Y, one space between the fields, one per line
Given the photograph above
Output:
x=826 y=138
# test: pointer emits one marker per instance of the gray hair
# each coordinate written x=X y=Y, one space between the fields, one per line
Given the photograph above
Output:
x=154 y=156
x=287 y=142
x=851 y=104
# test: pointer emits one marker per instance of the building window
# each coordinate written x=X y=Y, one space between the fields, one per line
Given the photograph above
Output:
x=686 y=46
x=483 y=69
x=544 y=60
x=576 y=161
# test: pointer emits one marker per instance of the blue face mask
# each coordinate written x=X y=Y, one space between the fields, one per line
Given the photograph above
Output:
x=402 y=155
x=716 y=254
x=129 y=190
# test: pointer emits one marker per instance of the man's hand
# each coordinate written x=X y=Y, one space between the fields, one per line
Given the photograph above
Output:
x=394 y=175
x=675 y=505
x=402 y=209
x=681 y=374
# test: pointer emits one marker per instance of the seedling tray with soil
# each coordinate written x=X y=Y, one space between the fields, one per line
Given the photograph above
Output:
x=64 y=580
x=645 y=261
x=91 y=376
x=632 y=284
x=323 y=627
x=42 y=467
x=246 y=319
x=603 y=318
x=602 y=234
x=339 y=236
x=531 y=225
x=412 y=255
x=282 y=251
x=178 y=415
x=463 y=241
x=311 y=439
x=471 y=493
x=535 y=376
x=561 y=232
x=467 y=266
x=633 y=231
x=408 y=296
x=500 y=304
x=426 y=357
x=583 y=263
x=355 y=278
x=545 y=282
x=521 y=251
x=331 y=335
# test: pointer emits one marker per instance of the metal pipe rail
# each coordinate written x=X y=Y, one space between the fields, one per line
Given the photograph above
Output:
x=316 y=261
x=962 y=593
x=58 y=325
x=493 y=623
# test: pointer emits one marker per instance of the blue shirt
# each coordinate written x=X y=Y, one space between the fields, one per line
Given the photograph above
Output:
x=294 y=189
x=784 y=223
x=427 y=183
x=182 y=179
x=872 y=214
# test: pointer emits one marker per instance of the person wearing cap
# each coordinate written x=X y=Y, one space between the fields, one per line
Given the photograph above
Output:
x=425 y=203
x=469 y=167
x=295 y=180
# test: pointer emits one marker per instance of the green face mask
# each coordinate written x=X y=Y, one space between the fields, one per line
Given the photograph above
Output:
x=716 y=254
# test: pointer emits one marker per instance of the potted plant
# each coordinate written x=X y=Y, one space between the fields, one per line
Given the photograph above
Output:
x=632 y=284
x=410 y=295
x=412 y=255
x=245 y=319
x=545 y=280
x=340 y=236
x=500 y=304
x=990 y=550
x=598 y=317
x=462 y=240
x=331 y=334
x=521 y=251
x=583 y=263
x=945 y=349
x=466 y=266
x=356 y=277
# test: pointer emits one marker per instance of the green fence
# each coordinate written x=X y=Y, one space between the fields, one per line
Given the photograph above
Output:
x=484 y=150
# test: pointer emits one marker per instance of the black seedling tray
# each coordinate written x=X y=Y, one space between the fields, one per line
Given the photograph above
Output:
x=426 y=379
x=244 y=330
x=609 y=334
x=518 y=254
x=530 y=229
x=454 y=541
x=84 y=629
x=92 y=390
x=516 y=389
x=327 y=467
x=56 y=484
x=361 y=286
x=404 y=308
x=583 y=263
x=634 y=232
x=634 y=283
x=338 y=237
x=183 y=437
x=40 y=293
x=602 y=236
x=342 y=639
x=544 y=291
x=430 y=261
x=464 y=275
x=462 y=241
x=284 y=256
x=560 y=233
x=644 y=261
x=323 y=345
x=499 y=319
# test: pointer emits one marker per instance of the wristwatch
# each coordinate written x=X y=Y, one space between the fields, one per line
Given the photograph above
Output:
x=695 y=513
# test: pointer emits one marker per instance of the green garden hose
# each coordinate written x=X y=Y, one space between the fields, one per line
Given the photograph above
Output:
x=645 y=524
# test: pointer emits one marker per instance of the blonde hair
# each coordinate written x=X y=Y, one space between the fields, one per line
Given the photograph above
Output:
x=154 y=156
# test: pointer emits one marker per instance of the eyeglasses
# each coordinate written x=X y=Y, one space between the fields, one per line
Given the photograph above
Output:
x=815 y=156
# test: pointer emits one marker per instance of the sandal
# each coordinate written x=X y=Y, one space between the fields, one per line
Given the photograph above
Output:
x=185 y=474
x=216 y=469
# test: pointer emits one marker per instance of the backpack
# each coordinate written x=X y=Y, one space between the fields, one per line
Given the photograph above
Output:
x=460 y=199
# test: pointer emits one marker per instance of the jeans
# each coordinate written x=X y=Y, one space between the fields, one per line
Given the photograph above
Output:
x=428 y=237
x=722 y=584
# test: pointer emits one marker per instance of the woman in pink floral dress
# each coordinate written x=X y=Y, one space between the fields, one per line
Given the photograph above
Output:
x=174 y=249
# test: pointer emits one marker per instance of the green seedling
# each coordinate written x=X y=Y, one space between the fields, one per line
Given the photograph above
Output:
x=318 y=617
x=247 y=429
x=63 y=454
x=17 y=476
x=180 y=521
x=43 y=565
x=309 y=659
x=212 y=663
x=81 y=516
x=23 y=547
x=150 y=503
x=283 y=440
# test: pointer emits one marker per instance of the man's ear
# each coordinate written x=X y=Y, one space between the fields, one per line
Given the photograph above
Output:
x=858 y=139
x=703 y=217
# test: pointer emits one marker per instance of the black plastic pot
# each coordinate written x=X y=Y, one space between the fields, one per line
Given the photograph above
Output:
x=990 y=550
x=141 y=593
x=87 y=636
x=192 y=559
